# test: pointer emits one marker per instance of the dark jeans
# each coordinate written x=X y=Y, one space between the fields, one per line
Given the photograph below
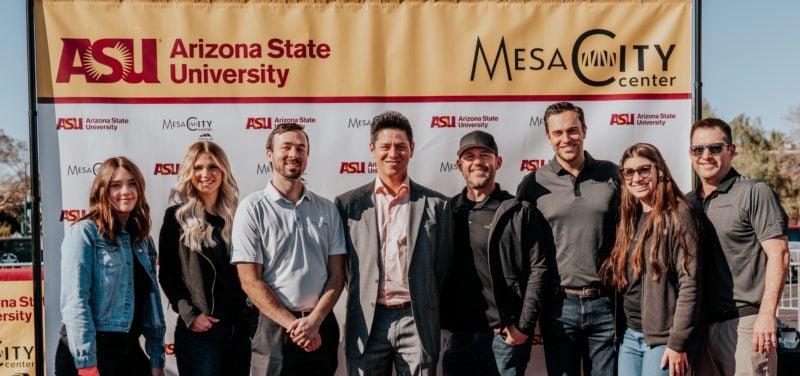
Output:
x=484 y=353
x=274 y=353
x=578 y=336
x=224 y=349
x=118 y=354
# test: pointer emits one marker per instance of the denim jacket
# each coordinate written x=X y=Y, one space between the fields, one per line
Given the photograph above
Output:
x=97 y=291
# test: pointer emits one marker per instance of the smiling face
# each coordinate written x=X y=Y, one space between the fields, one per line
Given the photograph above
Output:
x=207 y=176
x=479 y=167
x=288 y=155
x=123 y=193
x=709 y=167
x=640 y=176
x=566 y=134
x=392 y=150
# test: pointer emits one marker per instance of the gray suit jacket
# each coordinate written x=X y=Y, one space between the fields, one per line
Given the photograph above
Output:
x=430 y=249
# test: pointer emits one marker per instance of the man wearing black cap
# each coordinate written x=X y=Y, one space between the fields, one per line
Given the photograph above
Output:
x=492 y=297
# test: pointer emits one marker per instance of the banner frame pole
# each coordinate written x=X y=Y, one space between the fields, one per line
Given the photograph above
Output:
x=36 y=198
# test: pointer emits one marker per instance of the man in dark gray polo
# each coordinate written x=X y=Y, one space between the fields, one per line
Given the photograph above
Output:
x=746 y=258
x=579 y=198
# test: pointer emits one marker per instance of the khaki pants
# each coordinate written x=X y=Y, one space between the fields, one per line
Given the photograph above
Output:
x=727 y=350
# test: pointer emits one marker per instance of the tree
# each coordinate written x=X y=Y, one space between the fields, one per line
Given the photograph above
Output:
x=15 y=180
x=761 y=155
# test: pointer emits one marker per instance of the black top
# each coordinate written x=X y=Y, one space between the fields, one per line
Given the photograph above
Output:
x=632 y=297
x=477 y=309
x=227 y=298
x=141 y=288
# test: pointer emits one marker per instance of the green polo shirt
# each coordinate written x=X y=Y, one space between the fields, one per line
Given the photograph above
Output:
x=581 y=212
x=742 y=212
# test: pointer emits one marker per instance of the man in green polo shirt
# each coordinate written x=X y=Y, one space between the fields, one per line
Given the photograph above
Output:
x=746 y=258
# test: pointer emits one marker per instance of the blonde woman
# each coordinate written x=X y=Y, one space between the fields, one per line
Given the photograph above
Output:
x=109 y=294
x=212 y=332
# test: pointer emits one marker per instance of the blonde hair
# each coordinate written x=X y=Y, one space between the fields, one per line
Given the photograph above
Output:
x=197 y=232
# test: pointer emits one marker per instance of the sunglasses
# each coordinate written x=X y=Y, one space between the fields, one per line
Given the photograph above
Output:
x=643 y=171
x=714 y=149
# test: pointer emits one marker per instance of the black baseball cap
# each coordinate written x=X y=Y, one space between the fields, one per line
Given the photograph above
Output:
x=477 y=138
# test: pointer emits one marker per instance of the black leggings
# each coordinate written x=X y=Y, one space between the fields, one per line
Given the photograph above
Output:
x=118 y=354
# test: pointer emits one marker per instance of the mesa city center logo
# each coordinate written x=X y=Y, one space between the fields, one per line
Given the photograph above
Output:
x=594 y=58
x=111 y=60
x=191 y=123
x=463 y=121
x=89 y=123
x=646 y=119
x=12 y=356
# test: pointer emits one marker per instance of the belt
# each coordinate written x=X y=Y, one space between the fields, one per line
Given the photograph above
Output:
x=301 y=313
x=583 y=292
x=394 y=306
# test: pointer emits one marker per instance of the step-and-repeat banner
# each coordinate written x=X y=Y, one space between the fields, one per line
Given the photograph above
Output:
x=146 y=79
x=16 y=321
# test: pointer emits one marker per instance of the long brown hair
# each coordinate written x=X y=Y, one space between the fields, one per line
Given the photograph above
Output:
x=191 y=213
x=663 y=224
x=102 y=212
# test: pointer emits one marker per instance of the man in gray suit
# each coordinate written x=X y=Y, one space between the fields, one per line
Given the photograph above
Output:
x=398 y=236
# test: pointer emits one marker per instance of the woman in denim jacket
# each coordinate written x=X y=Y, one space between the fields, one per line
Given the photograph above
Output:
x=655 y=266
x=212 y=334
x=109 y=294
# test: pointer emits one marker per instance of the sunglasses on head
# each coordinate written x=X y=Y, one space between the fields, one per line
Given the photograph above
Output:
x=643 y=171
x=714 y=149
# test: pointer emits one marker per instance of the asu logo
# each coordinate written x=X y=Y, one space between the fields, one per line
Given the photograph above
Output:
x=166 y=169
x=71 y=215
x=69 y=123
x=259 y=123
x=443 y=122
x=621 y=119
x=108 y=61
x=532 y=164
x=353 y=168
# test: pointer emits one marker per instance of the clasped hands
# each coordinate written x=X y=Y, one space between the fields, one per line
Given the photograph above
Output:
x=304 y=332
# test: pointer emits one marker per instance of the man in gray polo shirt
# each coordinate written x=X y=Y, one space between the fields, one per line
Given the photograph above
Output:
x=579 y=198
x=288 y=245
x=747 y=258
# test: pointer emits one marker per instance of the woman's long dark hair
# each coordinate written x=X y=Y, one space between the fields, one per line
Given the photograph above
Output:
x=663 y=225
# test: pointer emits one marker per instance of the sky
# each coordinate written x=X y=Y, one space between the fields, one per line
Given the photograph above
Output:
x=750 y=62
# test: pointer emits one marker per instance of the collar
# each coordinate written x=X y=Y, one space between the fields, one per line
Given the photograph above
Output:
x=498 y=195
x=380 y=188
x=724 y=185
x=273 y=195
x=588 y=164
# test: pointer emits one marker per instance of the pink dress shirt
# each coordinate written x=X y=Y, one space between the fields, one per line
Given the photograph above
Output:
x=393 y=223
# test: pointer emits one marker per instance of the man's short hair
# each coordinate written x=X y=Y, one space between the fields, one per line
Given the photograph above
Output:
x=390 y=120
x=559 y=107
x=710 y=123
x=288 y=127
